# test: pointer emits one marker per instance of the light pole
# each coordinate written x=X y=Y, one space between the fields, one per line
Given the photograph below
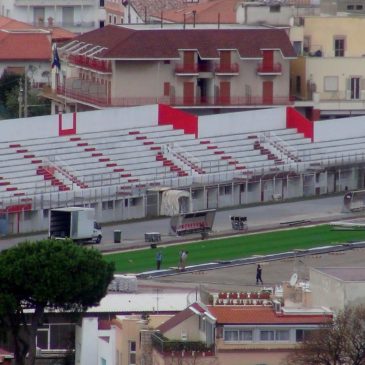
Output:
x=20 y=97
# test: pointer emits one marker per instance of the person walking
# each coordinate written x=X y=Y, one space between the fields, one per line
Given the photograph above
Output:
x=258 y=274
x=184 y=256
x=158 y=260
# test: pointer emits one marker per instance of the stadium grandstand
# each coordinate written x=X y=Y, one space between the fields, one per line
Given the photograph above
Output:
x=122 y=161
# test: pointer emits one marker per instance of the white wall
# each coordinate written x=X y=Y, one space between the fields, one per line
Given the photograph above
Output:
x=88 y=342
x=91 y=121
x=326 y=130
x=242 y=122
x=117 y=118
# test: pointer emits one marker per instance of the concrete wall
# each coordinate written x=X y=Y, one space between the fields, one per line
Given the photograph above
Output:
x=326 y=130
x=354 y=293
x=92 y=121
x=250 y=121
x=326 y=290
x=87 y=341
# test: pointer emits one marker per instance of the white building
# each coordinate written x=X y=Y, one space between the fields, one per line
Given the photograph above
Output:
x=77 y=16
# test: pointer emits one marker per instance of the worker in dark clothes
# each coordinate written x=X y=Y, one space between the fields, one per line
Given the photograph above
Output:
x=259 y=274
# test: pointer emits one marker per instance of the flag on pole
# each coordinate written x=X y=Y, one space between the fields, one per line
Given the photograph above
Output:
x=55 y=59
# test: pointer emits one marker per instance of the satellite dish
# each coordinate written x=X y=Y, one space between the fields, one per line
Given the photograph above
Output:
x=293 y=279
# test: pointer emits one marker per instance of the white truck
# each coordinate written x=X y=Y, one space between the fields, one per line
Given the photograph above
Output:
x=76 y=223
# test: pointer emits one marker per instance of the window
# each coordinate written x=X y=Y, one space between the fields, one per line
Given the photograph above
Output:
x=350 y=7
x=236 y=335
x=230 y=335
x=102 y=361
x=133 y=202
x=42 y=338
x=297 y=45
x=225 y=190
x=339 y=45
x=245 y=335
x=132 y=352
x=359 y=7
x=301 y=335
x=282 y=335
x=28 y=215
x=275 y=8
x=267 y=335
x=45 y=213
x=166 y=89
x=107 y=205
x=330 y=83
x=306 y=44
x=110 y=19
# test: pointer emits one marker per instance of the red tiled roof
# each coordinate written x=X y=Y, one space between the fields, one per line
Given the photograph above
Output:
x=124 y=43
x=206 y=12
x=175 y=320
x=60 y=34
x=181 y=317
x=155 y=6
x=57 y=34
x=24 y=46
x=9 y=23
x=261 y=315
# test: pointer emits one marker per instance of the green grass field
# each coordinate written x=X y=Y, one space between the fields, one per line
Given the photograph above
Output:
x=234 y=247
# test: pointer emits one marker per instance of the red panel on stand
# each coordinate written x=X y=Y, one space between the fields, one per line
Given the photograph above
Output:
x=296 y=120
x=178 y=119
x=69 y=131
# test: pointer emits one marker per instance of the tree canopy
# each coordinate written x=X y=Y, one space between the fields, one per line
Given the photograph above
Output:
x=52 y=275
x=340 y=342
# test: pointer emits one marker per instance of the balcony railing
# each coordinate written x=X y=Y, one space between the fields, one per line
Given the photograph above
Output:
x=187 y=69
x=102 y=100
x=274 y=69
x=227 y=69
x=92 y=63
x=182 y=348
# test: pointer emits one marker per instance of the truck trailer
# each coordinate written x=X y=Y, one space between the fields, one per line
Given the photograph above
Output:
x=76 y=223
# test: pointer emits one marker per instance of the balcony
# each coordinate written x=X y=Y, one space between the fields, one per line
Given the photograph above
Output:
x=91 y=93
x=51 y=3
x=97 y=95
x=265 y=70
x=230 y=69
x=186 y=70
x=102 y=66
x=180 y=348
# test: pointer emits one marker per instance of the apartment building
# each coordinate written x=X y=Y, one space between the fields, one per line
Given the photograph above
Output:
x=192 y=68
x=77 y=16
x=330 y=71
x=234 y=331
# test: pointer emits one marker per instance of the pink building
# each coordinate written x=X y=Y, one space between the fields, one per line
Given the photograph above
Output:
x=191 y=68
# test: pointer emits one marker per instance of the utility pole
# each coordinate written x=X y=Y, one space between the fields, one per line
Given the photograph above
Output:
x=20 y=97
x=25 y=95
